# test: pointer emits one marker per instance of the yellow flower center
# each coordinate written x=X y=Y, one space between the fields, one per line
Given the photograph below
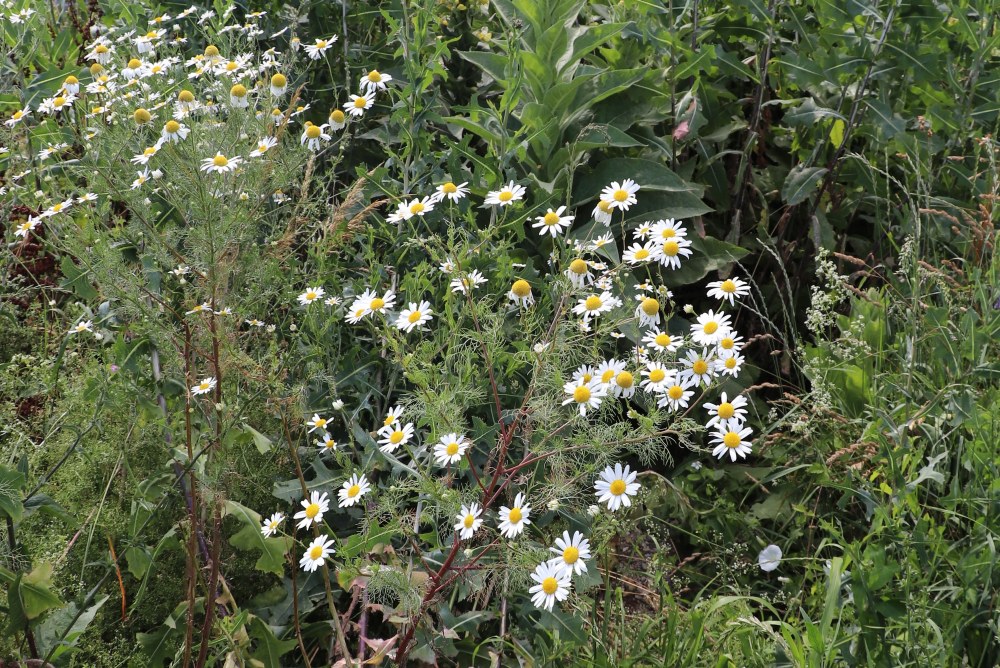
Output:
x=571 y=554
x=581 y=394
x=728 y=286
x=59 y=101
x=604 y=206
x=337 y=116
x=414 y=317
x=730 y=362
x=222 y=161
x=670 y=248
x=550 y=586
x=239 y=90
x=141 y=116
x=587 y=377
x=360 y=102
x=232 y=66
x=313 y=132
x=312 y=510
x=279 y=80
x=469 y=521
x=353 y=491
x=607 y=376
x=711 y=327
x=134 y=64
x=204 y=385
x=172 y=127
x=18 y=114
x=620 y=195
x=101 y=49
x=321 y=44
x=416 y=208
x=377 y=303
x=451 y=449
x=320 y=423
x=700 y=367
x=650 y=306
x=731 y=439
x=727 y=343
x=57 y=207
x=151 y=34
x=617 y=487
x=675 y=392
x=71 y=80
x=624 y=380
x=641 y=254
x=374 y=76
x=505 y=196
x=521 y=288
x=551 y=218
x=515 y=515
x=726 y=410
x=315 y=552
x=310 y=295
x=663 y=339
x=668 y=233
x=593 y=303
x=96 y=68
x=262 y=148
x=211 y=51
x=185 y=96
x=449 y=188
x=657 y=375
x=396 y=437
x=578 y=266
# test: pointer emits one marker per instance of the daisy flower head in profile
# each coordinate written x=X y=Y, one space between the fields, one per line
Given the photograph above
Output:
x=238 y=96
x=204 y=386
x=374 y=81
x=392 y=416
x=552 y=584
x=662 y=341
x=337 y=120
x=174 y=131
x=394 y=436
x=585 y=395
x=515 y=518
x=469 y=520
x=326 y=443
x=359 y=104
x=710 y=328
x=279 y=84
x=579 y=273
x=553 y=222
x=571 y=553
x=520 y=293
x=648 y=311
x=450 y=449
x=675 y=394
x=468 y=282
x=312 y=510
x=602 y=212
x=615 y=486
x=316 y=553
x=264 y=145
x=451 y=191
x=27 y=226
x=414 y=317
x=507 y=195
x=313 y=136
x=733 y=440
x=621 y=195
x=607 y=370
x=353 y=489
x=220 y=164
x=311 y=295
x=319 y=47
x=83 y=326
x=729 y=290
x=671 y=251
x=727 y=413
x=271 y=525
x=623 y=385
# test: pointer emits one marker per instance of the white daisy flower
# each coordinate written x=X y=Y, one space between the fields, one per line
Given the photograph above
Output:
x=311 y=295
x=731 y=342
x=204 y=386
x=337 y=119
x=271 y=525
x=727 y=414
x=615 y=486
x=469 y=521
x=264 y=145
x=621 y=195
x=414 y=317
x=710 y=328
x=579 y=274
x=584 y=374
x=732 y=440
x=316 y=553
x=27 y=226
x=662 y=341
x=553 y=222
x=608 y=369
x=467 y=283
x=640 y=253
x=671 y=251
x=662 y=230
x=729 y=363
x=728 y=290
x=623 y=385
x=394 y=436
x=571 y=553
x=508 y=194
x=648 y=311
x=594 y=305
x=657 y=377
x=699 y=368
x=84 y=326
x=279 y=84
x=515 y=518
x=325 y=443
x=602 y=212
x=375 y=81
x=312 y=510
x=319 y=47
x=359 y=104
x=449 y=190
x=220 y=164
x=317 y=422
x=553 y=584
x=313 y=136
x=174 y=132
x=675 y=395
x=520 y=293
x=450 y=449
x=353 y=489
x=587 y=396
x=392 y=417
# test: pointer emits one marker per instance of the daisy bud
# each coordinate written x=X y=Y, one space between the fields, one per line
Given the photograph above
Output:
x=688 y=309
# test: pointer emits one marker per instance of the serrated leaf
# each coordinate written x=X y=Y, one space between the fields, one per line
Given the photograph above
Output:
x=800 y=183
x=269 y=649
x=36 y=592
x=272 y=550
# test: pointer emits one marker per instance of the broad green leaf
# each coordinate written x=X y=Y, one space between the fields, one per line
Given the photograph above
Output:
x=648 y=174
x=59 y=632
x=76 y=279
x=269 y=649
x=263 y=443
x=492 y=64
x=11 y=483
x=800 y=183
x=36 y=591
x=272 y=550
x=837 y=133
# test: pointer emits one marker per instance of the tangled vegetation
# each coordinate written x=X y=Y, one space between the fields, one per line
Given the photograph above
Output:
x=499 y=332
